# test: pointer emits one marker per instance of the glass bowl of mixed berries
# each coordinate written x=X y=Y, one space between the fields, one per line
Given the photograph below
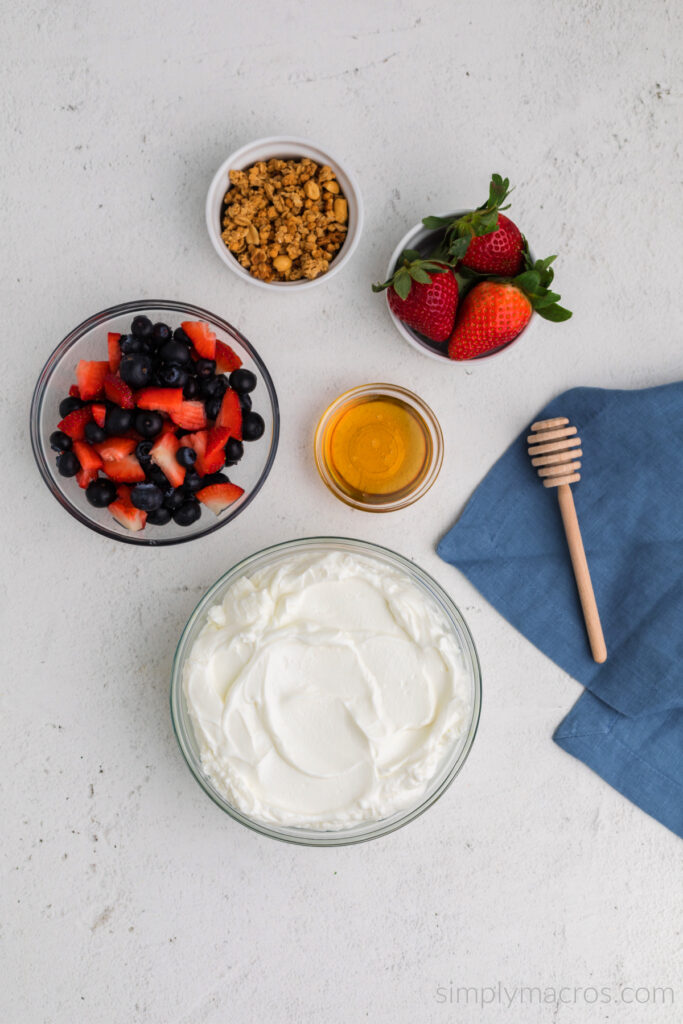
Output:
x=154 y=422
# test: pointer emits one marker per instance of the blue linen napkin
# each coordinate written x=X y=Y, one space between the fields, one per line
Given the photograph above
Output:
x=628 y=724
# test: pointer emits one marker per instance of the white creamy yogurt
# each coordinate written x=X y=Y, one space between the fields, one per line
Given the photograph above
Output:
x=325 y=691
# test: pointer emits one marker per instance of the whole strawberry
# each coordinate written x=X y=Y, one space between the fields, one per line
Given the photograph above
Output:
x=423 y=294
x=484 y=240
x=494 y=312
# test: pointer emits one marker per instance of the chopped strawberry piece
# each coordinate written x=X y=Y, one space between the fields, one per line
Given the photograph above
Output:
x=168 y=427
x=123 y=494
x=201 y=336
x=190 y=416
x=230 y=414
x=127 y=515
x=196 y=441
x=126 y=470
x=90 y=376
x=118 y=391
x=74 y=392
x=160 y=399
x=74 y=423
x=213 y=458
x=87 y=456
x=163 y=455
x=115 y=448
x=219 y=496
x=226 y=358
x=99 y=413
x=114 y=351
x=86 y=476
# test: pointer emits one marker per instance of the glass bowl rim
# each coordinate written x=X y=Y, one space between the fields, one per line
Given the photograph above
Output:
x=370 y=830
x=79 y=332
x=380 y=389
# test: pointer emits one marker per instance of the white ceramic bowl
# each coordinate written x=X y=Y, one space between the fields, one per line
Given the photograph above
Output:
x=283 y=147
x=417 y=238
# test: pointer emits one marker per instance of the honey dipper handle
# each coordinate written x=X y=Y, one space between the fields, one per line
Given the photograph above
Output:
x=581 y=573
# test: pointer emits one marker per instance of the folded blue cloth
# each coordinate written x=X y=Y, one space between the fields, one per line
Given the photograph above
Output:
x=509 y=541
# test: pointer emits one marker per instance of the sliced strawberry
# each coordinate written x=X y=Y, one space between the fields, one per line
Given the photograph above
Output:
x=163 y=455
x=90 y=376
x=125 y=513
x=118 y=391
x=85 y=477
x=168 y=427
x=230 y=414
x=74 y=423
x=116 y=448
x=160 y=399
x=226 y=358
x=114 y=351
x=99 y=412
x=126 y=470
x=201 y=336
x=213 y=458
x=190 y=416
x=219 y=496
x=87 y=456
x=74 y=392
x=197 y=441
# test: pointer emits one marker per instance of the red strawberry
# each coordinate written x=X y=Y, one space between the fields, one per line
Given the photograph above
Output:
x=115 y=448
x=226 y=359
x=213 y=458
x=126 y=470
x=74 y=423
x=118 y=391
x=160 y=399
x=219 y=496
x=90 y=376
x=423 y=294
x=190 y=416
x=230 y=414
x=88 y=457
x=125 y=513
x=500 y=252
x=85 y=477
x=98 y=413
x=202 y=337
x=163 y=454
x=74 y=392
x=114 y=351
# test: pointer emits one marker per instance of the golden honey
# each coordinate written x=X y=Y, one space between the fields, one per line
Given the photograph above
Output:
x=377 y=448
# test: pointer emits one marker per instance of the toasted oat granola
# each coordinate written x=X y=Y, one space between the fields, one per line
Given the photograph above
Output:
x=284 y=219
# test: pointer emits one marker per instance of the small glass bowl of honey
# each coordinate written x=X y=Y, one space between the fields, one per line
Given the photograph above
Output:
x=378 y=447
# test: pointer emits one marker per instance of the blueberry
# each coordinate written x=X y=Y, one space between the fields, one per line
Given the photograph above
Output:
x=242 y=381
x=129 y=344
x=60 y=442
x=148 y=423
x=188 y=513
x=171 y=376
x=142 y=452
x=136 y=370
x=68 y=405
x=161 y=333
x=234 y=450
x=155 y=475
x=141 y=327
x=95 y=434
x=118 y=421
x=67 y=464
x=186 y=456
x=245 y=402
x=213 y=407
x=159 y=516
x=211 y=388
x=191 y=389
x=205 y=368
x=174 y=497
x=252 y=426
x=147 y=496
x=174 y=352
x=179 y=335
x=101 y=492
x=192 y=481
x=214 y=478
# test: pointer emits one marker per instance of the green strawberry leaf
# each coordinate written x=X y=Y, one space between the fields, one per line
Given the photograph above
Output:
x=528 y=281
x=545 y=300
x=458 y=248
x=555 y=313
x=401 y=285
x=435 y=222
x=420 y=275
x=409 y=254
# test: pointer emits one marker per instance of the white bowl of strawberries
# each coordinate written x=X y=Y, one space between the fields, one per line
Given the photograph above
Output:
x=465 y=285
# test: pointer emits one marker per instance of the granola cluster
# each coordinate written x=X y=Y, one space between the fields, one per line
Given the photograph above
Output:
x=284 y=219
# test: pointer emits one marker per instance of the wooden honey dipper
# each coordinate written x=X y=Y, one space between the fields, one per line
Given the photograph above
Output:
x=554 y=449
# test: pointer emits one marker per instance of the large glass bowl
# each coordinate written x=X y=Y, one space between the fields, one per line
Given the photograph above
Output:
x=89 y=341
x=362 y=832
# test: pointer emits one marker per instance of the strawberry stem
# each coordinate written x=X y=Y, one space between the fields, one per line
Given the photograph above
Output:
x=411 y=267
x=482 y=221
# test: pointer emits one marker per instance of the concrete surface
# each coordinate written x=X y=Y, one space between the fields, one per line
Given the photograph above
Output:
x=127 y=896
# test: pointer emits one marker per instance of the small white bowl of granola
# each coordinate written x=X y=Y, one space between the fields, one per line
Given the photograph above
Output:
x=283 y=213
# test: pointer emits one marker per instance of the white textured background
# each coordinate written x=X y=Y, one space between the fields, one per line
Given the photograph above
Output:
x=127 y=896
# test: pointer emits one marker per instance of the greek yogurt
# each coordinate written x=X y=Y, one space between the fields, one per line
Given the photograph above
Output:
x=326 y=690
